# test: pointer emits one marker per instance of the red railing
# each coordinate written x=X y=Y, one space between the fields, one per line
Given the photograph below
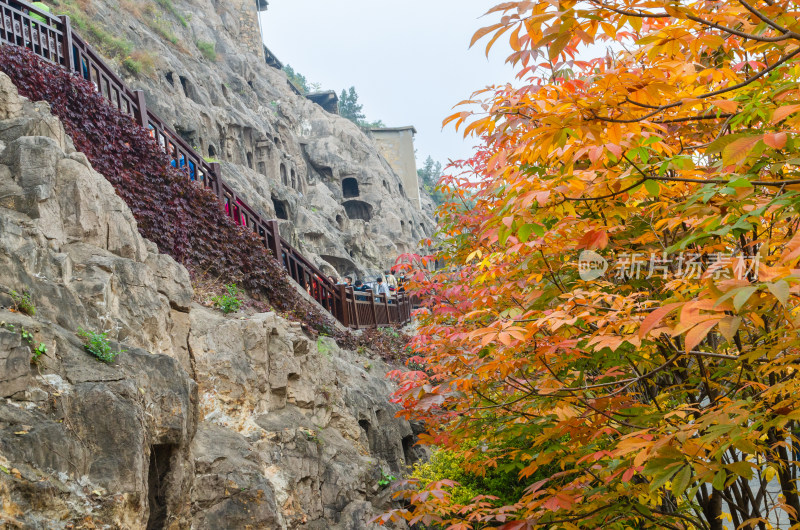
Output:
x=53 y=39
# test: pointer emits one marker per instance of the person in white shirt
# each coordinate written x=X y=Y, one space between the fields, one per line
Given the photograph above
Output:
x=381 y=288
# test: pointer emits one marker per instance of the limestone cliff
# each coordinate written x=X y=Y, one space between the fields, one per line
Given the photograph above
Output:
x=285 y=154
x=204 y=421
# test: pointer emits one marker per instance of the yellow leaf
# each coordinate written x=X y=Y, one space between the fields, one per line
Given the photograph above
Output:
x=728 y=326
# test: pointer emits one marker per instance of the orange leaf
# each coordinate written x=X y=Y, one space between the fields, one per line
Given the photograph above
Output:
x=792 y=249
x=698 y=333
x=776 y=140
x=483 y=32
x=656 y=316
x=781 y=113
x=737 y=150
x=726 y=105
x=594 y=239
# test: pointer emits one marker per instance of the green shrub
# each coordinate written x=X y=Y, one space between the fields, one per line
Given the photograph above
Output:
x=132 y=65
x=161 y=27
x=208 y=49
x=229 y=302
x=448 y=465
x=23 y=303
x=169 y=8
x=97 y=344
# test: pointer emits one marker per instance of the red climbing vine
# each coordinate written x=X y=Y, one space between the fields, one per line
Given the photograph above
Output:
x=182 y=218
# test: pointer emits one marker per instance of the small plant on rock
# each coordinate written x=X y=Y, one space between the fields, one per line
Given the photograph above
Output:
x=97 y=344
x=27 y=336
x=323 y=348
x=23 y=303
x=386 y=479
x=38 y=351
x=229 y=302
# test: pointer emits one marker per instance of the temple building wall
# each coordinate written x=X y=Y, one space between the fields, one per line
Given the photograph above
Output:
x=397 y=146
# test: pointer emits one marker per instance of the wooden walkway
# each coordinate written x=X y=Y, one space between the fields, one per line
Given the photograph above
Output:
x=55 y=41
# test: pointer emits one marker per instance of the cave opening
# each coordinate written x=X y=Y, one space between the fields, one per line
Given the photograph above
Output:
x=358 y=210
x=186 y=86
x=408 y=449
x=367 y=428
x=350 y=188
x=281 y=209
x=157 y=483
x=284 y=177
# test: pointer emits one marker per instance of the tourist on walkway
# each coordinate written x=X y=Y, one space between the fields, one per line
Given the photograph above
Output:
x=360 y=286
x=391 y=281
x=381 y=287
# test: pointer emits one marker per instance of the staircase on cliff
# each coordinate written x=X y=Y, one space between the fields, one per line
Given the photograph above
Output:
x=53 y=39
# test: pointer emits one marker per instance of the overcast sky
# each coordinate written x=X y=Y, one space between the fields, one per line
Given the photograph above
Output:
x=409 y=60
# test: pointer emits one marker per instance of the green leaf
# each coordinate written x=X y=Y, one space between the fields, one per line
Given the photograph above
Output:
x=743 y=296
x=524 y=233
x=652 y=187
x=719 y=480
x=740 y=183
x=681 y=481
x=743 y=469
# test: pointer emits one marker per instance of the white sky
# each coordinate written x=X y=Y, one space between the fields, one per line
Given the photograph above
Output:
x=409 y=60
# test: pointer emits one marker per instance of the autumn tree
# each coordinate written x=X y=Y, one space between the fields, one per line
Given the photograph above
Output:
x=618 y=319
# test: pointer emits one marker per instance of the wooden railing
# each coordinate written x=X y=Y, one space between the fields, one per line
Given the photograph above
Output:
x=52 y=38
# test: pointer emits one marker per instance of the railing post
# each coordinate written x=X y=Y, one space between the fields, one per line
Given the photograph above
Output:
x=386 y=308
x=374 y=308
x=66 y=42
x=355 y=307
x=345 y=317
x=272 y=226
x=141 y=109
x=217 y=187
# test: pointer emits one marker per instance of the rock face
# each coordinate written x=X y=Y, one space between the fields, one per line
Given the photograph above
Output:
x=283 y=153
x=204 y=421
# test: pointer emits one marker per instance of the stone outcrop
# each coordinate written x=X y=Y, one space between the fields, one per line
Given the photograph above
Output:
x=286 y=155
x=204 y=421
